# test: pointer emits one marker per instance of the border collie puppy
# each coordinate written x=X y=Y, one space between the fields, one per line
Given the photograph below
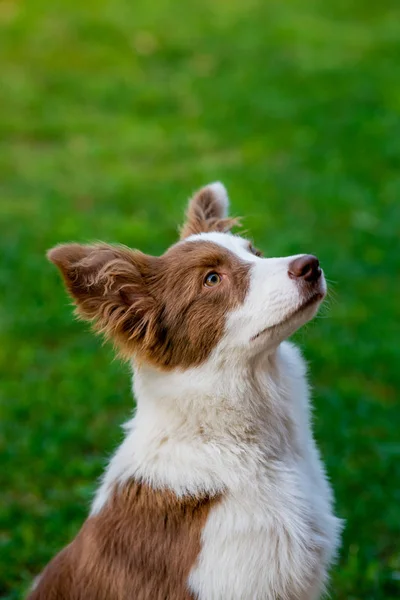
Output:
x=217 y=491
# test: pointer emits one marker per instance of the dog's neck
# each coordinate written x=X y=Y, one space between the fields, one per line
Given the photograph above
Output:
x=200 y=429
x=212 y=400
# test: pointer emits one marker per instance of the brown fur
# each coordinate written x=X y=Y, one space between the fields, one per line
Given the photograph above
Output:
x=109 y=287
x=155 y=308
x=205 y=214
x=158 y=308
x=192 y=318
x=141 y=546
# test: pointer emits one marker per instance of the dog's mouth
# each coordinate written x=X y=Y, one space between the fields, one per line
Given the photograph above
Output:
x=317 y=297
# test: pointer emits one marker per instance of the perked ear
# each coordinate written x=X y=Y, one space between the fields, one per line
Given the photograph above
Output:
x=108 y=286
x=208 y=211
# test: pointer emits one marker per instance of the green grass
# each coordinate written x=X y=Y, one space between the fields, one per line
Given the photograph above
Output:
x=111 y=113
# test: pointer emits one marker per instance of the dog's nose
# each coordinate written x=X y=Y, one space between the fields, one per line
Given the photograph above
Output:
x=305 y=267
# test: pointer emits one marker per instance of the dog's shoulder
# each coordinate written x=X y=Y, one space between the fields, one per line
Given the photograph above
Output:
x=142 y=544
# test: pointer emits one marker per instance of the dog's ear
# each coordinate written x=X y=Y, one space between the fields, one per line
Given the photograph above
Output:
x=208 y=211
x=109 y=287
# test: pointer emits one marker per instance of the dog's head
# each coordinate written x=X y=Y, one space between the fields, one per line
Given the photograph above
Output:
x=210 y=293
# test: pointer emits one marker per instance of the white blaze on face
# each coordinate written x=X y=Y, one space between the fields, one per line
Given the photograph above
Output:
x=272 y=309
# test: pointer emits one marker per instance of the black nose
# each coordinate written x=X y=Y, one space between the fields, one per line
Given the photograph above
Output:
x=305 y=267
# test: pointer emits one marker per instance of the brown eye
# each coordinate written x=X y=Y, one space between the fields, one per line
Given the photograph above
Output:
x=212 y=280
x=254 y=250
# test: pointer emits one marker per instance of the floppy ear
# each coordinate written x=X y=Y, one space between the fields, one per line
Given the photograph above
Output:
x=208 y=211
x=108 y=286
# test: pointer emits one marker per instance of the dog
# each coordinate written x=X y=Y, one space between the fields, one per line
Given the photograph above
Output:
x=217 y=491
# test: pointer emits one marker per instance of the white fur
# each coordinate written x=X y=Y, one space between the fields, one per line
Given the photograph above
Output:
x=239 y=425
x=221 y=195
x=274 y=534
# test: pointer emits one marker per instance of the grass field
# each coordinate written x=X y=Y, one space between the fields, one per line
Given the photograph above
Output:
x=111 y=113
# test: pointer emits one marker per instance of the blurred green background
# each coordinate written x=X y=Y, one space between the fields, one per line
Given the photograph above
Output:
x=111 y=114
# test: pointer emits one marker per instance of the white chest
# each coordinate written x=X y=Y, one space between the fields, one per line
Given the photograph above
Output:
x=271 y=540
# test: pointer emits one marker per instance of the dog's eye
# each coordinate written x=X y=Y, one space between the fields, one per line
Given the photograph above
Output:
x=212 y=280
x=254 y=250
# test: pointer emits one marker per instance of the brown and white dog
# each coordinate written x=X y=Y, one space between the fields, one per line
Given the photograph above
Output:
x=217 y=491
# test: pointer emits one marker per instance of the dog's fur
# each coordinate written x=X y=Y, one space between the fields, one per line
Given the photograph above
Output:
x=218 y=491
